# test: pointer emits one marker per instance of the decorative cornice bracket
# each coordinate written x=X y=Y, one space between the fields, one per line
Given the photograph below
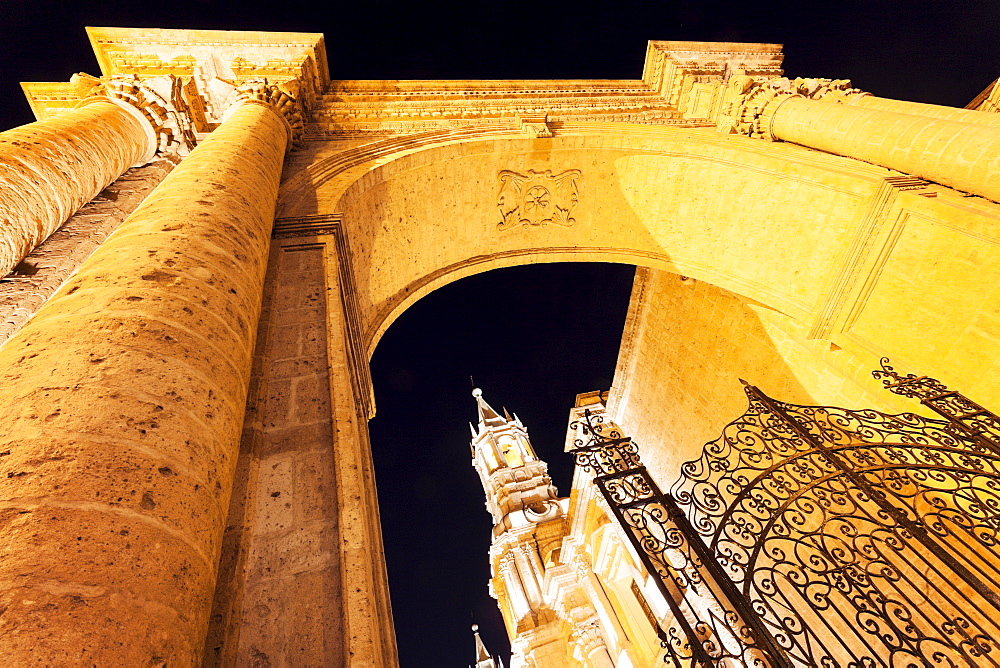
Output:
x=535 y=126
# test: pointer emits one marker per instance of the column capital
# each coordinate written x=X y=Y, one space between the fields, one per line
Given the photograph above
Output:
x=751 y=103
x=587 y=634
x=155 y=102
x=182 y=82
x=279 y=97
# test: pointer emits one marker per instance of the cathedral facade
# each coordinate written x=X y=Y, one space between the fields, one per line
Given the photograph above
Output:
x=203 y=243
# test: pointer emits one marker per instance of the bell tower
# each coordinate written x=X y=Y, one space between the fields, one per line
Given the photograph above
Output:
x=529 y=524
x=517 y=484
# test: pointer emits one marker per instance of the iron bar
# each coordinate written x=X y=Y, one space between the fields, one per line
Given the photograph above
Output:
x=618 y=460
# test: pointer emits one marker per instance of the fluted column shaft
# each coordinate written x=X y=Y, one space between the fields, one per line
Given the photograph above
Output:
x=123 y=404
x=50 y=168
x=960 y=155
x=927 y=110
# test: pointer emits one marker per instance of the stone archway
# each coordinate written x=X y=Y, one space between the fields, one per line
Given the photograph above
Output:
x=832 y=242
x=131 y=384
x=808 y=251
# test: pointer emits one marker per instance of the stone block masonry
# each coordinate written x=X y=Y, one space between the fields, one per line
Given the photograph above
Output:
x=282 y=591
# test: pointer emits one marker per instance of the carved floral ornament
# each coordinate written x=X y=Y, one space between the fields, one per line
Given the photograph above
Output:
x=752 y=102
x=536 y=198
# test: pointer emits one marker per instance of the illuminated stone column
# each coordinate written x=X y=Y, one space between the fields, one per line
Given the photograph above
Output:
x=928 y=110
x=954 y=153
x=50 y=168
x=588 y=640
x=123 y=404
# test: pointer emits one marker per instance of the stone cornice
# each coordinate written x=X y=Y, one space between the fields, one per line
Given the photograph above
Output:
x=183 y=82
x=233 y=55
x=691 y=76
x=196 y=74
x=364 y=108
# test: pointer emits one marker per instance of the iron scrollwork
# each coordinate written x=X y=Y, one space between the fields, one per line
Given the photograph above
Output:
x=858 y=538
x=707 y=627
x=822 y=536
x=971 y=419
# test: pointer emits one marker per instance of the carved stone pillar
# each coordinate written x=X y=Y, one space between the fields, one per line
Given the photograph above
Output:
x=587 y=637
x=954 y=153
x=124 y=403
x=50 y=168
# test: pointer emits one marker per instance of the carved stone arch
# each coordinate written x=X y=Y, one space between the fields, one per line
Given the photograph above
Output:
x=808 y=267
x=793 y=229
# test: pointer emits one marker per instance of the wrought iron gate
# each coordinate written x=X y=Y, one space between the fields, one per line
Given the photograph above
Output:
x=821 y=536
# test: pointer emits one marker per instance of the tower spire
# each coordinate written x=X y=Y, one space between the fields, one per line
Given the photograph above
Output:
x=487 y=416
x=483 y=658
x=513 y=477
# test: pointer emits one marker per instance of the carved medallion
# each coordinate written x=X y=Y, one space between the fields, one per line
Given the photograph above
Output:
x=537 y=198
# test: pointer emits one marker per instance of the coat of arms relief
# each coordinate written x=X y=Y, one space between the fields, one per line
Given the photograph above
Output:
x=537 y=198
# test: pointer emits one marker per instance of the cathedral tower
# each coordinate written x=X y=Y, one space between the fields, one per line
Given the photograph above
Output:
x=518 y=489
x=546 y=615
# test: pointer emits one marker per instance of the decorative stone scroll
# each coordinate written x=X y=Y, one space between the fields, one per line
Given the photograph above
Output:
x=752 y=103
x=537 y=198
x=281 y=97
x=828 y=90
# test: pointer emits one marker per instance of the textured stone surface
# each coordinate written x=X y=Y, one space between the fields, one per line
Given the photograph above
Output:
x=975 y=117
x=278 y=601
x=687 y=343
x=129 y=388
x=124 y=395
x=956 y=154
x=46 y=268
x=851 y=254
x=50 y=168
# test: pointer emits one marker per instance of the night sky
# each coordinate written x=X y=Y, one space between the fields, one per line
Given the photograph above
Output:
x=535 y=336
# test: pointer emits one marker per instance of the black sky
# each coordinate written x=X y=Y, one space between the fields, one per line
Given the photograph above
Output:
x=533 y=337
